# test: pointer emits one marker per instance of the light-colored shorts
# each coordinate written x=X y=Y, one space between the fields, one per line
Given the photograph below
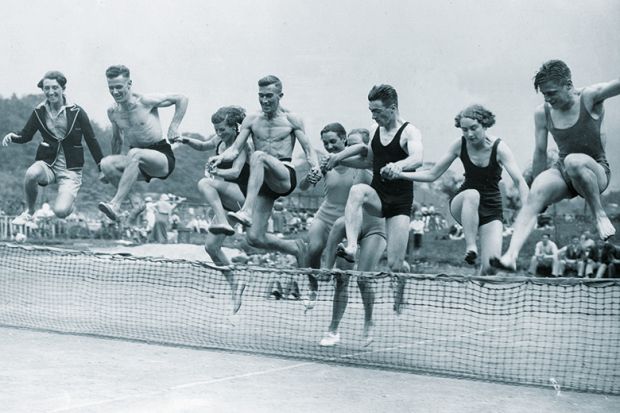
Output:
x=69 y=182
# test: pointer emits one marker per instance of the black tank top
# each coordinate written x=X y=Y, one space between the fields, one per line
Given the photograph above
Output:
x=484 y=179
x=397 y=190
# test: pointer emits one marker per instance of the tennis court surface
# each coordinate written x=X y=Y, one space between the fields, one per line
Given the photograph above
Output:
x=538 y=333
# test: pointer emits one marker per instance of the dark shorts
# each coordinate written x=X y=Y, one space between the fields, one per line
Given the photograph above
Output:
x=270 y=193
x=165 y=148
x=395 y=199
x=559 y=165
x=242 y=179
x=489 y=209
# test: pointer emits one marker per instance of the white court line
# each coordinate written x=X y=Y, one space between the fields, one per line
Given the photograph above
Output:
x=182 y=386
x=267 y=371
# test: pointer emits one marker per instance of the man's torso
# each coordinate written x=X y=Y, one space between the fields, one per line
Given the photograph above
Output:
x=274 y=136
x=139 y=124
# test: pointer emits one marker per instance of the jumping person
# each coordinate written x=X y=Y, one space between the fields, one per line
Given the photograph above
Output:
x=135 y=119
x=338 y=181
x=372 y=242
x=395 y=146
x=224 y=188
x=477 y=206
x=574 y=118
x=274 y=133
x=60 y=155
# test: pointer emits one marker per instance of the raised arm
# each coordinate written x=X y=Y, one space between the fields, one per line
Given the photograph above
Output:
x=26 y=133
x=162 y=101
x=353 y=151
x=602 y=91
x=233 y=151
x=507 y=160
x=539 y=162
x=197 y=144
x=234 y=171
x=430 y=175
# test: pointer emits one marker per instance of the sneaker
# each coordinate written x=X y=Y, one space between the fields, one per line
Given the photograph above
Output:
x=109 y=211
x=23 y=219
x=240 y=217
x=330 y=339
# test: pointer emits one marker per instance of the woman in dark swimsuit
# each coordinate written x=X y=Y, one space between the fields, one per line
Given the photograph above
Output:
x=477 y=206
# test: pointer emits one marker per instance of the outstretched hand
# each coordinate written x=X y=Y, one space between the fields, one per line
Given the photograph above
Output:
x=9 y=138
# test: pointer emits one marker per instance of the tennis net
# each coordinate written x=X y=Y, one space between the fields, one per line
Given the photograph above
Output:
x=513 y=330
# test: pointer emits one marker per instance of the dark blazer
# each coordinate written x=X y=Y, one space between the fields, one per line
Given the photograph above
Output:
x=78 y=127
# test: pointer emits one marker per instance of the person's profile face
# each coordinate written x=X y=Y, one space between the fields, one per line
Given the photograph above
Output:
x=381 y=114
x=52 y=90
x=332 y=142
x=472 y=130
x=555 y=93
x=120 y=88
x=269 y=98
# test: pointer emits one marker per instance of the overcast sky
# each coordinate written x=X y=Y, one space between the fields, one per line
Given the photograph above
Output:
x=440 y=56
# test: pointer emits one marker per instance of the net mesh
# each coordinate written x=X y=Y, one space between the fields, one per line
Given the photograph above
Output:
x=514 y=330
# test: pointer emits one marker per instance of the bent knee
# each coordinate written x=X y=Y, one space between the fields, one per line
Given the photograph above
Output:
x=358 y=192
x=471 y=195
x=258 y=157
x=62 y=211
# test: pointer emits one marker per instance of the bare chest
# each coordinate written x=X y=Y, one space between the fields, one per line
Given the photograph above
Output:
x=135 y=118
x=275 y=130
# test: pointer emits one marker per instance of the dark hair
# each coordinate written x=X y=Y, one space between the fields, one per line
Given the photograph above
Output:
x=385 y=93
x=270 y=80
x=232 y=115
x=53 y=75
x=337 y=128
x=485 y=117
x=117 y=70
x=555 y=70
x=361 y=131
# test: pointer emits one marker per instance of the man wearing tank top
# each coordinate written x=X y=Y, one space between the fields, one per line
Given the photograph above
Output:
x=574 y=118
x=396 y=146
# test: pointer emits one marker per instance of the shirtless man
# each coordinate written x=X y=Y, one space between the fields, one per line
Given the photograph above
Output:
x=573 y=117
x=274 y=132
x=135 y=118
x=396 y=146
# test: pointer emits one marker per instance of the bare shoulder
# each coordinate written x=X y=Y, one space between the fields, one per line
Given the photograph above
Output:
x=112 y=111
x=539 y=114
x=412 y=132
x=295 y=120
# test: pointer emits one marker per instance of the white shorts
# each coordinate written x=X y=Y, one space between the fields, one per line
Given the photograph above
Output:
x=69 y=182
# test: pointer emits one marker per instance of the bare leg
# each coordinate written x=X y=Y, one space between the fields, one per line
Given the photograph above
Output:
x=35 y=176
x=362 y=197
x=589 y=179
x=267 y=169
x=213 y=247
x=397 y=231
x=465 y=206
x=548 y=187
x=152 y=162
x=490 y=245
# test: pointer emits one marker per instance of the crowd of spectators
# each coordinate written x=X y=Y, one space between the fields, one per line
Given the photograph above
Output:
x=581 y=257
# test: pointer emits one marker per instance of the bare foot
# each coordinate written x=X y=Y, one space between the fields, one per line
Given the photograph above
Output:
x=605 y=228
x=368 y=335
